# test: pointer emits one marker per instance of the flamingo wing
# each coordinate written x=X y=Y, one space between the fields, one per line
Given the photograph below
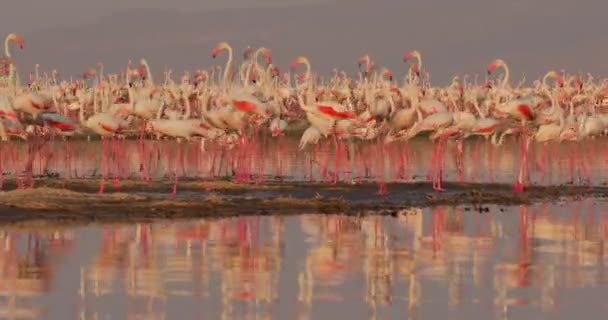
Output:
x=58 y=121
x=526 y=111
x=330 y=111
x=244 y=105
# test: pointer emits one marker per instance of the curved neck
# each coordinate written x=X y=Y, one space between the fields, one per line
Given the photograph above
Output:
x=100 y=73
x=545 y=77
x=556 y=108
x=7 y=49
x=505 y=81
x=256 y=56
x=204 y=102
x=81 y=113
x=148 y=73
x=308 y=75
x=409 y=76
x=131 y=98
x=248 y=74
x=188 y=107
x=243 y=71
x=419 y=58
x=228 y=65
x=11 y=67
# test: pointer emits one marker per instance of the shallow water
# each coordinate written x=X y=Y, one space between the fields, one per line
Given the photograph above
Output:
x=546 y=261
x=279 y=157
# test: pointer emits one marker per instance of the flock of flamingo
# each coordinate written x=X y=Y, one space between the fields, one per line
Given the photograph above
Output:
x=237 y=105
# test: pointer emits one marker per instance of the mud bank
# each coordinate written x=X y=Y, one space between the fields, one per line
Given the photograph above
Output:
x=134 y=201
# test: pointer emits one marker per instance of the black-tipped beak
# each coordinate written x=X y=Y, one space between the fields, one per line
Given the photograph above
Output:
x=390 y=78
x=213 y=56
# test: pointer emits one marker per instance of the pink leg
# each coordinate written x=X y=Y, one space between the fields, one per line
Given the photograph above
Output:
x=115 y=153
x=460 y=160
x=103 y=165
x=336 y=160
x=382 y=185
x=438 y=172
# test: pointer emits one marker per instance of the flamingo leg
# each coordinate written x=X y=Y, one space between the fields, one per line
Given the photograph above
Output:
x=519 y=184
x=103 y=164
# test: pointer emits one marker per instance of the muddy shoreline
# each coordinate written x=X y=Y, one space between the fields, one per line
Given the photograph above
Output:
x=77 y=202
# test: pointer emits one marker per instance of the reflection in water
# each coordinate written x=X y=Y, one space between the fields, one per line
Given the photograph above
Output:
x=546 y=260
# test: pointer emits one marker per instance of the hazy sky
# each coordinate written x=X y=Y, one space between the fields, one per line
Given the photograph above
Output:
x=455 y=37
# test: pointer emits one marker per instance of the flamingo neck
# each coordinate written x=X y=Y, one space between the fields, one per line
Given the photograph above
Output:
x=7 y=49
x=7 y=53
x=505 y=80
x=227 y=66
x=81 y=114
x=419 y=58
x=148 y=73
x=188 y=107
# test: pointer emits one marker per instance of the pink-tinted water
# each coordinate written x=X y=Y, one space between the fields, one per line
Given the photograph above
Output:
x=272 y=157
x=546 y=261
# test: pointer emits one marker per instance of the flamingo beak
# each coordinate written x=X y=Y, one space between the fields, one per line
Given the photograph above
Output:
x=491 y=67
x=389 y=75
x=408 y=56
x=294 y=64
x=247 y=53
x=19 y=42
x=214 y=53
x=360 y=62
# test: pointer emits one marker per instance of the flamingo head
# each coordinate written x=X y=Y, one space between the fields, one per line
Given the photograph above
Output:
x=415 y=68
x=560 y=81
x=388 y=74
x=297 y=61
x=362 y=60
x=141 y=71
x=247 y=52
x=15 y=38
x=495 y=64
x=275 y=71
x=558 y=78
x=410 y=55
x=267 y=56
x=220 y=46
x=88 y=73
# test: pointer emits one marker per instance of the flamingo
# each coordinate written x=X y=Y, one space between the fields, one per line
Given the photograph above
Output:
x=11 y=37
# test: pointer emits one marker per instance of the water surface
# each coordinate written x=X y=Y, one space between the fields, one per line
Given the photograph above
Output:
x=545 y=261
